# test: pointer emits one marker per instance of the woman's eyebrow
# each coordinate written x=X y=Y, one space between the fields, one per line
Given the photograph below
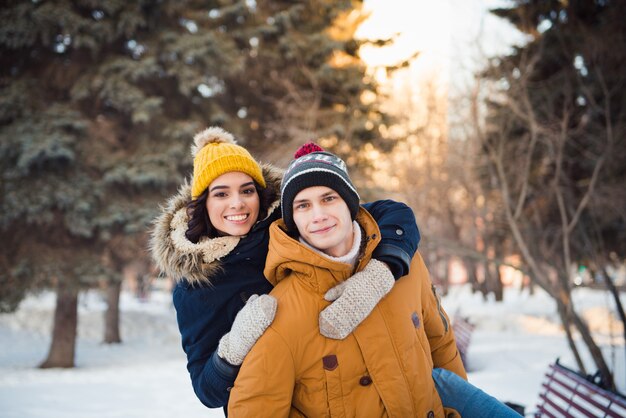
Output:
x=218 y=187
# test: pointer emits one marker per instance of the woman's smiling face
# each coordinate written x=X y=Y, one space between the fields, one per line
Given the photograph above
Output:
x=233 y=203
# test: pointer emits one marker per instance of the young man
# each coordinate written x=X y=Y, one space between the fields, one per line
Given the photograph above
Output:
x=384 y=367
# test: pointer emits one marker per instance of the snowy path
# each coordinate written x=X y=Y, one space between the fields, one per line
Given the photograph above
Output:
x=146 y=376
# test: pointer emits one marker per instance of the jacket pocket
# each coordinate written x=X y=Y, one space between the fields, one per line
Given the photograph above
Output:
x=334 y=392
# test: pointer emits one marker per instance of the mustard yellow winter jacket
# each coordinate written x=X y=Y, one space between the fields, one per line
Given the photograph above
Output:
x=382 y=369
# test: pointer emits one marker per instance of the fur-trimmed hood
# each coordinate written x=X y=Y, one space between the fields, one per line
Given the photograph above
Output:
x=181 y=259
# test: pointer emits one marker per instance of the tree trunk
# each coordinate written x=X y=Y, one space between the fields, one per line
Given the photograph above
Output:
x=484 y=285
x=618 y=303
x=112 y=314
x=63 y=344
x=562 y=310
x=583 y=329
x=594 y=350
x=498 y=289
x=472 y=277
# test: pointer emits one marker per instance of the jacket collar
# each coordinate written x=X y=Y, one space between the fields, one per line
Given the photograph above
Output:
x=288 y=256
x=181 y=259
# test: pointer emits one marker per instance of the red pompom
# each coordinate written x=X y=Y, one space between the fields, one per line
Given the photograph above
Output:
x=307 y=149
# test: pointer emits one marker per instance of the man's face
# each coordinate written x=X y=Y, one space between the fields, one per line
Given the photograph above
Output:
x=323 y=220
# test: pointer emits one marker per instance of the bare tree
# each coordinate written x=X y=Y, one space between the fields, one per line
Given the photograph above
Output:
x=430 y=169
x=541 y=208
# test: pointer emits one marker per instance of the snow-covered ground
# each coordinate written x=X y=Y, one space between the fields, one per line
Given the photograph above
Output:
x=146 y=376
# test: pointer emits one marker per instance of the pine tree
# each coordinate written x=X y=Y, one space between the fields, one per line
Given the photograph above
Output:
x=99 y=101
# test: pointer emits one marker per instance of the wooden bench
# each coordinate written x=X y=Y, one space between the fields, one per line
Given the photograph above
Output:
x=566 y=393
x=463 y=334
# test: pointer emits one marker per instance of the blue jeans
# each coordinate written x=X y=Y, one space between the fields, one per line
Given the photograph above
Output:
x=467 y=399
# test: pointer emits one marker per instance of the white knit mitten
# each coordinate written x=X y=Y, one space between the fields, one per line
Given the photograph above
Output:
x=249 y=324
x=354 y=300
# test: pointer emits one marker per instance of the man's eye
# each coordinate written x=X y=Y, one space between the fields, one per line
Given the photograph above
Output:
x=301 y=206
x=329 y=198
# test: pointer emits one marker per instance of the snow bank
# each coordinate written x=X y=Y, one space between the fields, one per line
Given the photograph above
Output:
x=146 y=376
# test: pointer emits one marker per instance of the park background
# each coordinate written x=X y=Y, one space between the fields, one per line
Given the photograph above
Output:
x=501 y=124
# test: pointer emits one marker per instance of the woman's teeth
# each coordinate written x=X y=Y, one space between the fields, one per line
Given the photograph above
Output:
x=236 y=218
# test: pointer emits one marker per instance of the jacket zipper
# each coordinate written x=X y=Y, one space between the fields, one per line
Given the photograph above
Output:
x=439 y=308
x=361 y=253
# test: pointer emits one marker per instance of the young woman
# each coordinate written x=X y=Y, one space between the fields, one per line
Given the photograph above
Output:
x=212 y=237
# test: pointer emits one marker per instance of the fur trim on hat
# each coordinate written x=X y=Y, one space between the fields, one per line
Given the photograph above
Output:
x=210 y=135
x=181 y=259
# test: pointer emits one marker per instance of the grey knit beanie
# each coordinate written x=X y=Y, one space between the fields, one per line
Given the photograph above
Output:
x=315 y=167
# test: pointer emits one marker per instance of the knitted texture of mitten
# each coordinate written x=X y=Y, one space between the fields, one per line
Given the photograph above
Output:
x=249 y=324
x=354 y=300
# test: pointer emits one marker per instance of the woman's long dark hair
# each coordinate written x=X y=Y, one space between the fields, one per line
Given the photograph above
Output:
x=199 y=224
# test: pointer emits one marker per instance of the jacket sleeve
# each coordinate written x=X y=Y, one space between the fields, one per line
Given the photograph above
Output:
x=400 y=236
x=200 y=331
x=266 y=381
x=437 y=324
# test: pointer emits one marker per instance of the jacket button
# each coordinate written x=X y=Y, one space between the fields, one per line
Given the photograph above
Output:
x=430 y=414
x=399 y=232
x=365 y=381
x=330 y=362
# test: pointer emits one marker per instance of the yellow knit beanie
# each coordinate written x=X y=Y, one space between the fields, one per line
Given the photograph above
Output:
x=215 y=152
